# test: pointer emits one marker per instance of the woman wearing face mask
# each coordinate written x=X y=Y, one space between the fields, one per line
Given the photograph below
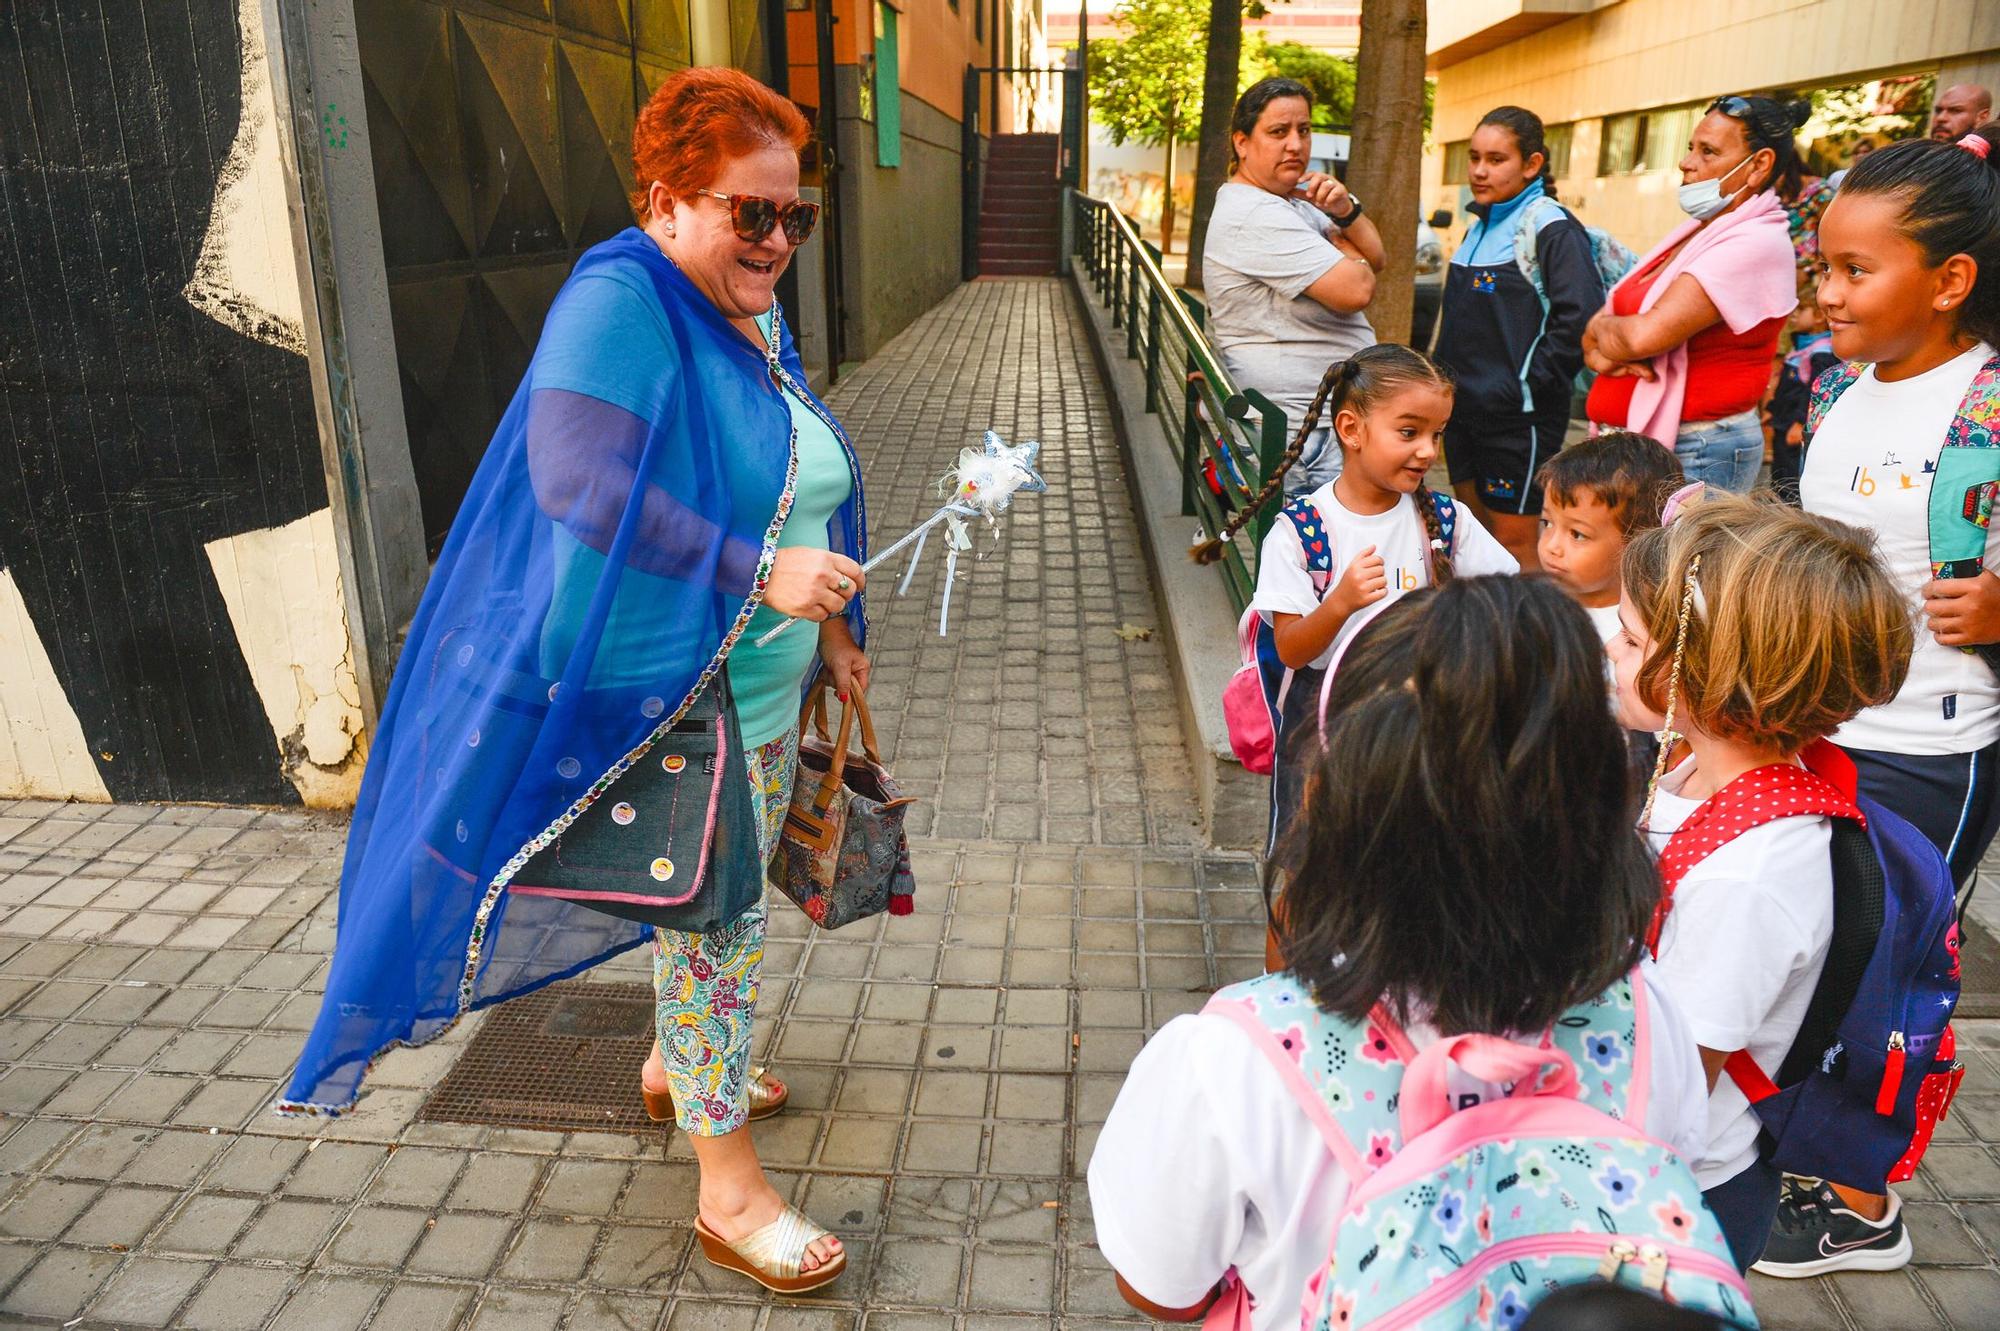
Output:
x=663 y=486
x=1683 y=347
x=1289 y=267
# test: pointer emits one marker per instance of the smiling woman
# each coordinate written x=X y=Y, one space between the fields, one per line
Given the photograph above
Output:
x=663 y=485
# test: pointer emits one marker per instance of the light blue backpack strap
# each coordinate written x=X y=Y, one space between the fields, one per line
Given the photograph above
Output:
x=1345 y=1074
x=1607 y=1040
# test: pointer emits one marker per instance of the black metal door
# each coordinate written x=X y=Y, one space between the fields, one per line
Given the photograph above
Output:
x=502 y=133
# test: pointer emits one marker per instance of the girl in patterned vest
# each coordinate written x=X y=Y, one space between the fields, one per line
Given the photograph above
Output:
x=1465 y=863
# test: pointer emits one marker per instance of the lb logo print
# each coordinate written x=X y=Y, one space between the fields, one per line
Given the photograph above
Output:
x=1482 y=281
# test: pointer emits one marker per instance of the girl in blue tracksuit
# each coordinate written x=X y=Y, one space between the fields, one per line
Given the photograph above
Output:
x=1513 y=351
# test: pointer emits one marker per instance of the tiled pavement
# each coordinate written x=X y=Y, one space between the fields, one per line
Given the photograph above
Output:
x=159 y=965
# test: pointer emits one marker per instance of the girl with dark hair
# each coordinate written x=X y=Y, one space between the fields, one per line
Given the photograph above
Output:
x=1356 y=543
x=1289 y=266
x=1427 y=899
x=1683 y=348
x=1513 y=348
x=1910 y=283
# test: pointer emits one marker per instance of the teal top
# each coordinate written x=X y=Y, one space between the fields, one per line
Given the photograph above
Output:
x=767 y=679
x=607 y=339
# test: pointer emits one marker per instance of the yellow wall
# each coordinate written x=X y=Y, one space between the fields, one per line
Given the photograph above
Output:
x=1634 y=54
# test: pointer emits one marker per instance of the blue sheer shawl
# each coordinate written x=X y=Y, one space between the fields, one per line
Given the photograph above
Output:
x=601 y=568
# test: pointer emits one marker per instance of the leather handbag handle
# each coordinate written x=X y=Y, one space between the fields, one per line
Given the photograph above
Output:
x=836 y=768
x=1425 y=1094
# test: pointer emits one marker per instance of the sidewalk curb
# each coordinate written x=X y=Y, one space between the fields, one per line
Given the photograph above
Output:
x=1196 y=618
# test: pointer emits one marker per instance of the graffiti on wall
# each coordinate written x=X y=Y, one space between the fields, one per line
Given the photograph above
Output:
x=170 y=614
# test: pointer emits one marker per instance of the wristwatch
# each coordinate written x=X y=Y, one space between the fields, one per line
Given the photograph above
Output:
x=1345 y=222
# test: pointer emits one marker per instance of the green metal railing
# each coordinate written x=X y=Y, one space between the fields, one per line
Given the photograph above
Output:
x=1237 y=435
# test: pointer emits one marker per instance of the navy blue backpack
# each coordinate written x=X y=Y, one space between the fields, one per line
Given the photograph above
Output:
x=1874 y=1066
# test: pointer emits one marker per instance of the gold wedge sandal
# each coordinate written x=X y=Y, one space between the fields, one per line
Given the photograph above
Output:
x=773 y=1255
x=768 y=1096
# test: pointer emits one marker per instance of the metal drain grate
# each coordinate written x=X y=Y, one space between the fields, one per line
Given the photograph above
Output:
x=564 y=1058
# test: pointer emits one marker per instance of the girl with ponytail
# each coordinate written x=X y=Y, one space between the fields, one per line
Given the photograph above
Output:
x=1349 y=549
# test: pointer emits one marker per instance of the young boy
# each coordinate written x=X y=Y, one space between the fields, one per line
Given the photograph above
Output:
x=1595 y=496
x=1810 y=357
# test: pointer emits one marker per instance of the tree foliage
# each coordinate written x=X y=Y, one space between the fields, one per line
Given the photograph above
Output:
x=1146 y=85
x=1331 y=77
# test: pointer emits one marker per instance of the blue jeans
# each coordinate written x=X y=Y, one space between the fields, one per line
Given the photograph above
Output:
x=1724 y=453
x=1319 y=462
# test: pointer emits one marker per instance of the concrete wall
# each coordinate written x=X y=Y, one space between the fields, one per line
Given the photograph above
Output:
x=1639 y=54
x=901 y=226
x=171 y=621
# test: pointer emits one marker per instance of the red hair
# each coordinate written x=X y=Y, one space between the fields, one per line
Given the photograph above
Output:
x=698 y=119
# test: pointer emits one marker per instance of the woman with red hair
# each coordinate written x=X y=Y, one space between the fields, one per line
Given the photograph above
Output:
x=663 y=488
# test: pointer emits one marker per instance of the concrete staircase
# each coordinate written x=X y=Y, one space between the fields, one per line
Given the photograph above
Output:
x=1019 y=205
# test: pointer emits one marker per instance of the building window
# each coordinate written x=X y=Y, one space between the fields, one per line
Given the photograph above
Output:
x=888 y=89
x=1557 y=137
x=1641 y=141
x=1457 y=162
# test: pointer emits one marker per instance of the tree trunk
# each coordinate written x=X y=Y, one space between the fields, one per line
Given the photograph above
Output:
x=1218 y=100
x=1167 y=200
x=1388 y=149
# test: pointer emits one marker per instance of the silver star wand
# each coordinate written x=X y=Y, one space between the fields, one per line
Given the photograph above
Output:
x=983 y=483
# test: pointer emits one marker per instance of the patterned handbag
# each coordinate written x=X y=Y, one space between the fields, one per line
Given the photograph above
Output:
x=673 y=841
x=843 y=856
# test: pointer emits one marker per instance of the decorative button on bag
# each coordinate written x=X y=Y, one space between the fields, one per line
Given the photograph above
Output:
x=673 y=842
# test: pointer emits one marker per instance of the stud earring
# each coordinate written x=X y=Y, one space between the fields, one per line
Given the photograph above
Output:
x=670 y=228
x=1944 y=304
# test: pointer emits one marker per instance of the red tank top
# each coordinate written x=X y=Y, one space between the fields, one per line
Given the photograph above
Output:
x=1726 y=372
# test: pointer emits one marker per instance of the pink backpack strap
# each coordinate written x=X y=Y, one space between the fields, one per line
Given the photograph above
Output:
x=1426 y=1098
x=1294 y=1078
x=1639 y=1090
x=1231 y=1309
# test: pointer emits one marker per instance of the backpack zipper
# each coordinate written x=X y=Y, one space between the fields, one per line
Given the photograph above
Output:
x=1892 y=1077
x=1654 y=1257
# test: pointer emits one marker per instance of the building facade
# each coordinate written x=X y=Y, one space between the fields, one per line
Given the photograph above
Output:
x=1620 y=82
x=280 y=265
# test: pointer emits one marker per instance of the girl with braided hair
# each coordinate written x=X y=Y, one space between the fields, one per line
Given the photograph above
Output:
x=1349 y=549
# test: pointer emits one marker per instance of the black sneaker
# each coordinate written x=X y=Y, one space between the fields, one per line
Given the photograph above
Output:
x=1815 y=1233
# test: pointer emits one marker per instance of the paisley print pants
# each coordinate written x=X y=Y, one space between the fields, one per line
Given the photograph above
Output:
x=706 y=984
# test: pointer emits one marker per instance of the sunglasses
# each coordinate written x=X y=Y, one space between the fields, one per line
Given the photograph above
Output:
x=756 y=217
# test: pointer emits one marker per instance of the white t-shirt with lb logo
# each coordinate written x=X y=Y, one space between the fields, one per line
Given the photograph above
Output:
x=1284 y=586
x=1870 y=466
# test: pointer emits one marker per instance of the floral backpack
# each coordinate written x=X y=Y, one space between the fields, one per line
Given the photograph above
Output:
x=1465 y=1216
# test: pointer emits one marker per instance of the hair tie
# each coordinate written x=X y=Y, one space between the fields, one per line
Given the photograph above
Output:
x=1678 y=501
x=1976 y=144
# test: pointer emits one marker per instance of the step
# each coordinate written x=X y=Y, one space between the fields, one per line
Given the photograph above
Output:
x=1021 y=200
x=1045 y=254
x=1017 y=267
x=1003 y=236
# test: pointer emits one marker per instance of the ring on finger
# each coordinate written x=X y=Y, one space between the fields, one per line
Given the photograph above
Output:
x=846 y=584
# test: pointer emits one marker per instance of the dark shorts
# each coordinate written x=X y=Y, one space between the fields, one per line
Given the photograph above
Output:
x=1297 y=753
x=1745 y=1206
x=1953 y=798
x=1500 y=455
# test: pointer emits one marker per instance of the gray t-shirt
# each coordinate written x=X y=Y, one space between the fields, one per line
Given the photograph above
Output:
x=1263 y=252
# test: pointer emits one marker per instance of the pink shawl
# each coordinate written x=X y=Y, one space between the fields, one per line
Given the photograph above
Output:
x=1743 y=261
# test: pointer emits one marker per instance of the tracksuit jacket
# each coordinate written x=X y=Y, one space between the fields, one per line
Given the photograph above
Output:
x=1496 y=338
